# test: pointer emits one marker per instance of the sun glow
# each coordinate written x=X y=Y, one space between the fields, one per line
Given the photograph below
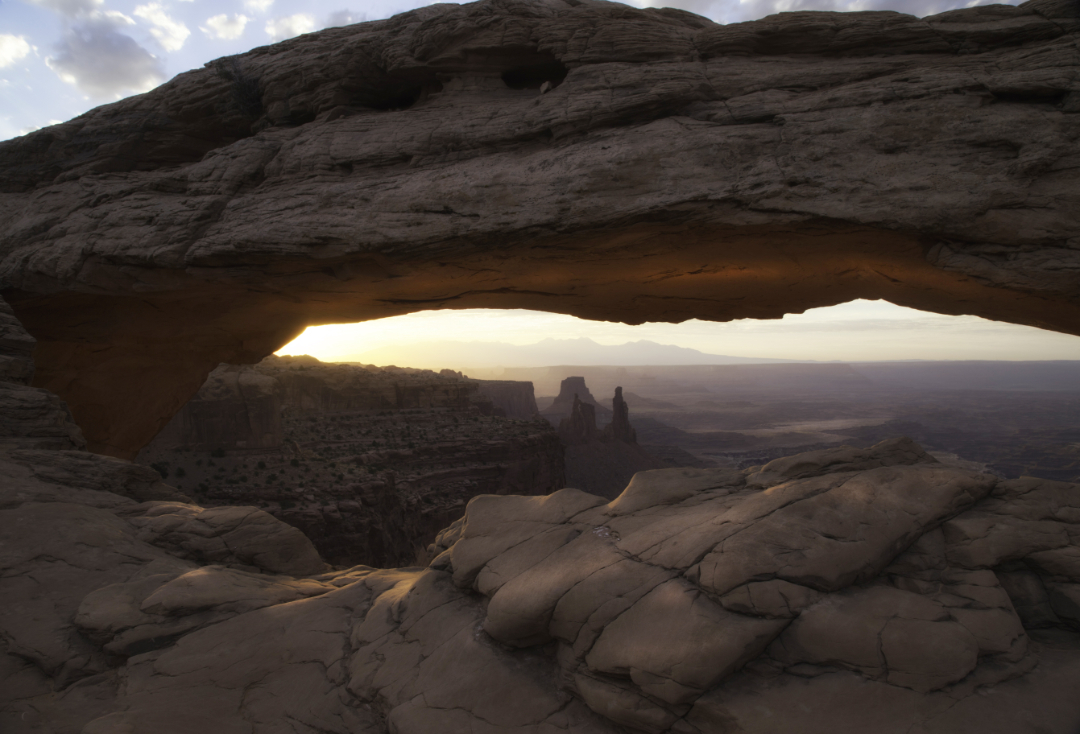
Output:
x=855 y=331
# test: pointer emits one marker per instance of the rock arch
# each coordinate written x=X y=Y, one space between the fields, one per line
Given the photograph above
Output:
x=674 y=168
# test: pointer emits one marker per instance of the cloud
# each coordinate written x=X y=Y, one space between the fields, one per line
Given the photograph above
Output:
x=12 y=49
x=291 y=25
x=344 y=17
x=69 y=8
x=224 y=28
x=737 y=11
x=169 y=33
x=258 y=6
x=31 y=128
x=101 y=62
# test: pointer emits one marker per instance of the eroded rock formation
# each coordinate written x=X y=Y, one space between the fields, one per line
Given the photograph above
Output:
x=515 y=399
x=620 y=429
x=241 y=407
x=600 y=462
x=579 y=426
x=580 y=157
x=370 y=462
x=33 y=418
x=575 y=398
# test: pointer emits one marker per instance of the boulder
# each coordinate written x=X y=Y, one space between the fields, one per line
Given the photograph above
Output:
x=246 y=536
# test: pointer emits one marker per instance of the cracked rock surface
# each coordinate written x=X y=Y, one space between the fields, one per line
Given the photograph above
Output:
x=573 y=156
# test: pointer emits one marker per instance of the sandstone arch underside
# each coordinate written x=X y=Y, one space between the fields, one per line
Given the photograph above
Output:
x=578 y=157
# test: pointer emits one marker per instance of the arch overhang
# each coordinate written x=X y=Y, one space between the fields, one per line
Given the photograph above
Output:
x=584 y=158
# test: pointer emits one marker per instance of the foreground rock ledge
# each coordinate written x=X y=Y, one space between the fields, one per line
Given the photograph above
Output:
x=842 y=590
x=579 y=157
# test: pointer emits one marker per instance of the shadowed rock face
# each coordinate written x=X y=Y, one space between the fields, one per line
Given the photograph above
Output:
x=514 y=399
x=620 y=429
x=577 y=157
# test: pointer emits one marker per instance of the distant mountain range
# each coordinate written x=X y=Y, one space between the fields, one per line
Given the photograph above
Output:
x=547 y=353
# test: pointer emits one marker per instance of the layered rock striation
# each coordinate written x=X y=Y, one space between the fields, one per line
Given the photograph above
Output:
x=371 y=463
x=511 y=398
x=33 y=418
x=242 y=407
x=580 y=157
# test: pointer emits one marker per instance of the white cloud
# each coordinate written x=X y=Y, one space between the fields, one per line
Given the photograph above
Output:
x=258 y=6
x=32 y=128
x=224 y=28
x=737 y=11
x=113 y=15
x=170 y=33
x=12 y=49
x=344 y=17
x=69 y=8
x=103 y=63
x=291 y=25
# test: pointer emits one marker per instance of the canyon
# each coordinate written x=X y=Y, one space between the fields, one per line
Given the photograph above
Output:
x=565 y=155
x=1009 y=418
x=370 y=463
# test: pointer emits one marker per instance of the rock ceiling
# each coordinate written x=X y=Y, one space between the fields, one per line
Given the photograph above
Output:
x=570 y=156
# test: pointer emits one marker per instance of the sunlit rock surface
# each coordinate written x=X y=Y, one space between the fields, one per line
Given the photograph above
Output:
x=579 y=157
x=841 y=590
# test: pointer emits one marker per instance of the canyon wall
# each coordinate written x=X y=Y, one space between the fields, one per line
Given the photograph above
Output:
x=515 y=399
x=242 y=406
x=370 y=462
x=577 y=157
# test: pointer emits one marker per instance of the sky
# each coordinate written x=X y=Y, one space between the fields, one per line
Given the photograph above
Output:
x=60 y=58
x=855 y=332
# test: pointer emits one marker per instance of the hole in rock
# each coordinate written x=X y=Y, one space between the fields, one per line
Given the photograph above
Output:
x=399 y=92
x=1034 y=96
x=533 y=75
x=372 y=437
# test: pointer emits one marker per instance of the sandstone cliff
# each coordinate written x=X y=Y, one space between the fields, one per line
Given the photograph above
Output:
x=620 y=429
x=574 y=392
x=580 y=157
x=515 y=399
x=601 y=462
x=242 y=406
x=32 y=418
